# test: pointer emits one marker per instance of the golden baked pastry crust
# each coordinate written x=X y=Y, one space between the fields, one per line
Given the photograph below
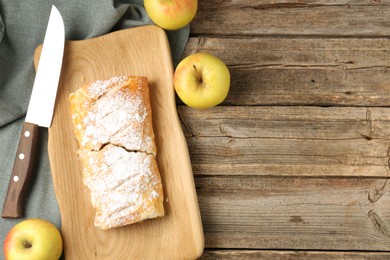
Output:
x=114 y=111
x=112 y=122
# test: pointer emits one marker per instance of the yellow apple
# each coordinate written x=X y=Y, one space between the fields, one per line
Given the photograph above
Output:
x=33 y=239
x=171 y=14
x=202 y=80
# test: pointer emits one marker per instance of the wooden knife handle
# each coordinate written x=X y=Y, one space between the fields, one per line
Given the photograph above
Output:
x=22 y=172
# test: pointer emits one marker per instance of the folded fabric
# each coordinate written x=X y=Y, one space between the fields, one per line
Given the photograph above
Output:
x=22 y=28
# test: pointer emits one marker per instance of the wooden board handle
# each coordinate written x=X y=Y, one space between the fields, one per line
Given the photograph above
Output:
x=22 y=172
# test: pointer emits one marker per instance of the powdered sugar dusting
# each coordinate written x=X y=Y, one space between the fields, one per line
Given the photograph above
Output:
x=99 y=87
x=126 y=177
x=117 y=149
x=118 y=116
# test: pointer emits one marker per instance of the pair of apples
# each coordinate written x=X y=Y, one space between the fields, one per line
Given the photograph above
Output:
x=201 y=80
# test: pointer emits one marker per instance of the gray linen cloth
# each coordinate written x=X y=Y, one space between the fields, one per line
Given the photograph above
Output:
x=22 y=28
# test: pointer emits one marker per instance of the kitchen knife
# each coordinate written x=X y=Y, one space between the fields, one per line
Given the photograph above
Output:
x=39 y=113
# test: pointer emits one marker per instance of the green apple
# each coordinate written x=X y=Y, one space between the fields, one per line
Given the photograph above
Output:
x=33 y=239
x=202 y=80
x=171 y=14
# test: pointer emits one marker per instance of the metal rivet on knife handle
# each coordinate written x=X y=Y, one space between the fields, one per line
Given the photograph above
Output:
x=22 y=172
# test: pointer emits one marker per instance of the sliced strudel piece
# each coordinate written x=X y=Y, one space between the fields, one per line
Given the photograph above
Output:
x=115 y=111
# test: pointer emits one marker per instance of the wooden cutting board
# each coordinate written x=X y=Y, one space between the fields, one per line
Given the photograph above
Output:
x=179 y=235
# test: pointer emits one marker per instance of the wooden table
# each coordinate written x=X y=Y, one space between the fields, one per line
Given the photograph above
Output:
x=295 y=162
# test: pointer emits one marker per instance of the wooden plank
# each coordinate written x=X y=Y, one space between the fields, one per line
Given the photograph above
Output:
x=343 y=53
x=281 y=71
x=288 y=141
x=246 y=17
x=292 y=255
x=295 y=213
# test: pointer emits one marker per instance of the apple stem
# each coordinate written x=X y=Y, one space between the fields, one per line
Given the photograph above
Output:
x=198 y=75
x=27 y=244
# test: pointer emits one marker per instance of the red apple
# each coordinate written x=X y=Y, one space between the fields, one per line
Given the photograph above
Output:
x=171 y=14
x=33 y=239
x=202 y=80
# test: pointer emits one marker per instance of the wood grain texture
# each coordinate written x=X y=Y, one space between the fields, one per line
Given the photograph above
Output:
x=292 y=255
x=288 y=141
x=306 y=71
x=295 y=213
x=246 y=17
x=275 y=167
x=140 y=51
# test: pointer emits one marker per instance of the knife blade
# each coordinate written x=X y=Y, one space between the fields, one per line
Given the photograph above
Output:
x=39 y=114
